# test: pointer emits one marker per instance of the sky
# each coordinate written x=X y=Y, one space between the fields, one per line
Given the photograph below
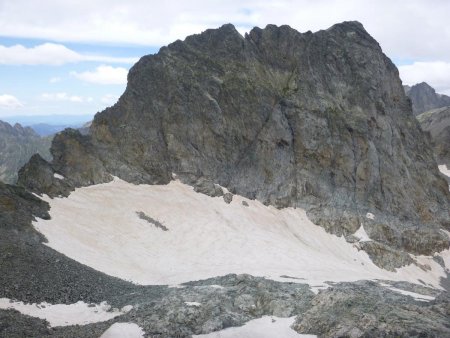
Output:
x=72 y=57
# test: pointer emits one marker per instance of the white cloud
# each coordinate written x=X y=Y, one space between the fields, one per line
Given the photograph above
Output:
x=109 y=99
x=436 y=74
x=10 y=101
x=50 y=54
x=411 y=29
x=64 y=97
x=104 y=75
x=55 y=79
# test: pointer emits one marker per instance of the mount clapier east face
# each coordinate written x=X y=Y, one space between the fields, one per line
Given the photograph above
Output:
x=314 y=121
x=318 y=121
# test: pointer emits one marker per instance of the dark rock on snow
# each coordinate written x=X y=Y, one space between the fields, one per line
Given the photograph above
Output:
x=228 y=197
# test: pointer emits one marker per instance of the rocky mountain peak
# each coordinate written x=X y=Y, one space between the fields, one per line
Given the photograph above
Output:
x=312 y=120
x=425 y=98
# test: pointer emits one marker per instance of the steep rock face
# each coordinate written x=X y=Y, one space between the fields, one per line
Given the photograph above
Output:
x=318 y=121
x=424 y=98
x=437 y=123
x=17 y=145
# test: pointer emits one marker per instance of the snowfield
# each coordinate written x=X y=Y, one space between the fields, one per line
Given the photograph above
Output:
x=79 y=313
x=264 y=327
x=100 y=226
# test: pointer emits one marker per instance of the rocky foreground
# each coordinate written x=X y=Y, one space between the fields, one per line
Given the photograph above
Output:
x=317 y=121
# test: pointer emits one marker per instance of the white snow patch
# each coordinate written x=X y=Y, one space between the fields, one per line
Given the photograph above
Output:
x=36 y=195
x=416 y=296
x=443 y=169
x=265 y=327
x=97 y=226
x=369 y=215
x=362 y=235
x=58 y=176
x=176 y=286
x=126 y=308
x=78 y=313
x=192 y=303
x=123 y=330
x=214 y=286
x=316 y=288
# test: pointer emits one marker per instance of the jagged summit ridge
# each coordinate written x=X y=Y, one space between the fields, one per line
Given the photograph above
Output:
x=316 y=120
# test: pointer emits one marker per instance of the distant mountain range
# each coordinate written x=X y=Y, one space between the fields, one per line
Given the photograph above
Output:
x=17 y=145
x=425 y=98
x=46 y=125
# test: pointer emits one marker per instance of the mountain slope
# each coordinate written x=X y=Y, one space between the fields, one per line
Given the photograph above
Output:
x=17 y=145
x=424 y=97
x=318 y=121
